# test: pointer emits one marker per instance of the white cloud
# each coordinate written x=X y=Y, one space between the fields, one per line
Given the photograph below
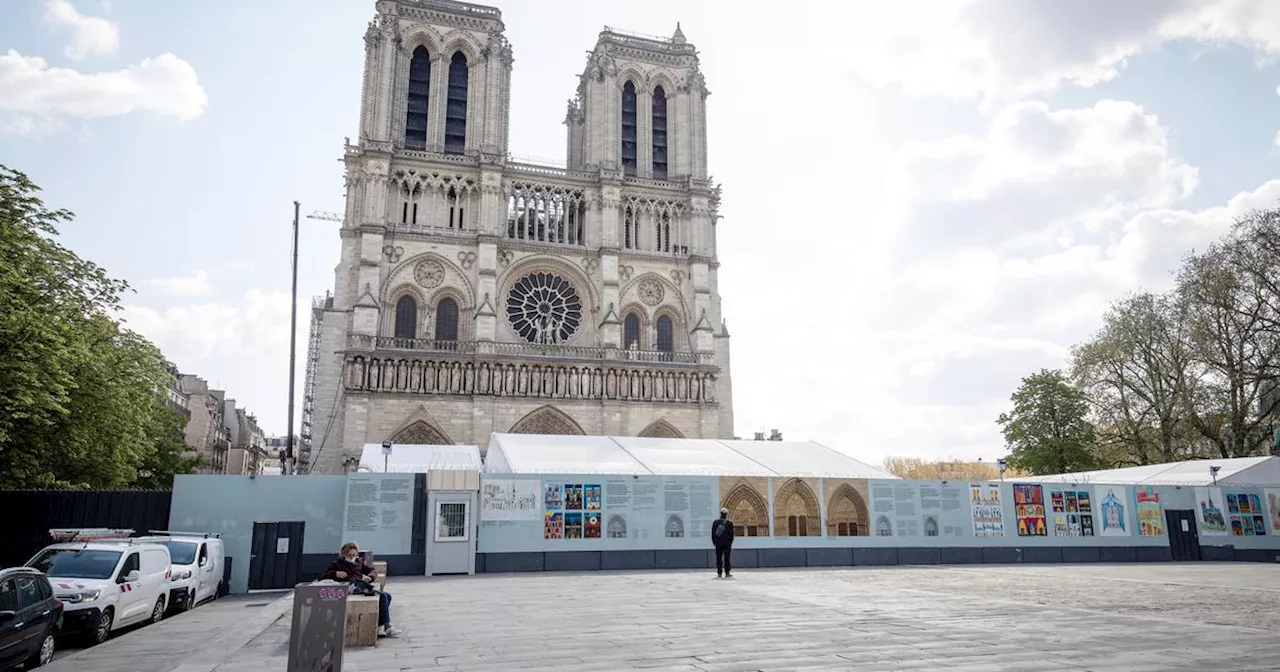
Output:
x=1008 y=248
x=1016 y=47
x=89 y=34
x=165 y=85
x=29 y=126
x=196 y=284
x=242 y=345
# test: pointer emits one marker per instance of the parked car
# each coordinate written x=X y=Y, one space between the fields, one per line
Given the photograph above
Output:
x=106 y=585
x=196 y=562
x=30 y=617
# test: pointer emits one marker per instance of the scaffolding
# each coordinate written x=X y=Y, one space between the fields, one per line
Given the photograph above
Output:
x=318 y=306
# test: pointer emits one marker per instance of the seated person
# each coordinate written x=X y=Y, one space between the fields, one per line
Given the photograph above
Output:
x=351 y=567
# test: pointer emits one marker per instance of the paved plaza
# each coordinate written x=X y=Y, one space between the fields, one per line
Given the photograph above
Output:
x=1212 y=616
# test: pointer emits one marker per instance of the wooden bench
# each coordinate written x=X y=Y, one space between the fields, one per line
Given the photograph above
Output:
x=362 y=621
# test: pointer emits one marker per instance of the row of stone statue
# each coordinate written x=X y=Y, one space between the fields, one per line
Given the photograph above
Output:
x=558 y=381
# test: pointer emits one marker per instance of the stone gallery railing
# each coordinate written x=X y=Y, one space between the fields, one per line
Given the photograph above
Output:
x=476 y=376
x=531 y=350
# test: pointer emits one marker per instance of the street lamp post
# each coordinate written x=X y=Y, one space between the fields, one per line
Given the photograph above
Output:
x=386 y=455
x=1000 y=466
x=293 y=342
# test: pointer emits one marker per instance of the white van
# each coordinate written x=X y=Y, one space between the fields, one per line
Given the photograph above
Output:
x=197 y=561
x=105 y=584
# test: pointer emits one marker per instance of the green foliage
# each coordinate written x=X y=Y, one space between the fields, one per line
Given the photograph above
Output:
x=78 y=401
x=1194 y=372
x=1048 y=431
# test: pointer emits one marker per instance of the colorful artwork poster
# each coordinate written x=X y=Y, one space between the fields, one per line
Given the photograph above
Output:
x=1073 y=513
x=1028 y=503
x=553 y=497
x=1211 y=516
x=553 y=525
x=502 y=499
x=1273 y=506
x=591 y=495
x=1150 y=517
x=1113 y=510
x=573 y=497
x=573 y=525
x=1246 y=515
x=591 y=524
x=988 y=514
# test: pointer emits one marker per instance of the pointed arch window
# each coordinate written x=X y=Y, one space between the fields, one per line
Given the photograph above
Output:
x=447 y=320
x=666 y=341
x=629 y=227
x=662 y=231
x=415 y=122
x=455 y=117
x=406 y=318
x=659 y=134
x=629 y=128
x=631 y=332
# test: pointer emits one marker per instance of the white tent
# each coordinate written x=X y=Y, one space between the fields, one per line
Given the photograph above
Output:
x=1263 y=471
x=409 y=458
x=546 y=454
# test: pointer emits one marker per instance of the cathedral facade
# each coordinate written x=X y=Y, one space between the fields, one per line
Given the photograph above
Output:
x=478 y=294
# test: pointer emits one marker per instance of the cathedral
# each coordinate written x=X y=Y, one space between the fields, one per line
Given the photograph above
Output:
x=476 y=293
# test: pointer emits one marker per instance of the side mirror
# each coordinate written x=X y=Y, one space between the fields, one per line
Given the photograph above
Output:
x=130 y=577
x=7 y=616
x=204 y=561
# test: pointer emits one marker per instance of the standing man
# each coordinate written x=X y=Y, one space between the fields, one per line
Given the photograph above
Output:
x=722 y=539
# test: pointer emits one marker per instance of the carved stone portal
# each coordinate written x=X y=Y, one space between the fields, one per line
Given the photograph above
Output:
x=796 y=510
x=547 y=420
x=661 y=429
x=421 y=433
x=847 y=514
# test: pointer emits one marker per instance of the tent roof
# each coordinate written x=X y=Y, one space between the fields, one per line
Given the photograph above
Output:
x=410 y=458
x=1232 y=471
x=546 y=454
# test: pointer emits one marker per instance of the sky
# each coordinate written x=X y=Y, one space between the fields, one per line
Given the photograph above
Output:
x=923 y=200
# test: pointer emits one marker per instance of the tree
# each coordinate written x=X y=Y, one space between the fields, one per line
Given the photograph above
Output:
x=1234 y=345
x=78 y=394
x=1133 y=373
x=915 y=468
x=168 y=453
x=1048 y=431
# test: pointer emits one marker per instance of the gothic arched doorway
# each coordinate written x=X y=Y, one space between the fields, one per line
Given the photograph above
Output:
x=847 y=513
x=547 y=420
x=795 y=510
x=661 y=429
x=748 y=511
x=421 y=432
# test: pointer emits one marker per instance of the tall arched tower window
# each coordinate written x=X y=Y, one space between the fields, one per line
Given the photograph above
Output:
x=455 y=117
x=659 y=134
x=629 y=128
x=666 y=342
x=447 y=320
x=631 y=332
x=406 y=318
x=415 y=122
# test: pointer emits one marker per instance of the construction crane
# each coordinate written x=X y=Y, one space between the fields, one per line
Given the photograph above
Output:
x=326 y=216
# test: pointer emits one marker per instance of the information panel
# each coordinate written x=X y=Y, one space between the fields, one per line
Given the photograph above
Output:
x=380 y=512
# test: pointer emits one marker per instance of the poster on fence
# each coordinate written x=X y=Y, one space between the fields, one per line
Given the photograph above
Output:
x=1113 y=510
x=502 y=499
x=1150 y=517
x=1209 y=512
x=988 y=516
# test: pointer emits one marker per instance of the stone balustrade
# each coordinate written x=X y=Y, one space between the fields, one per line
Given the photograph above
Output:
x=477 y=375
x=567 y=353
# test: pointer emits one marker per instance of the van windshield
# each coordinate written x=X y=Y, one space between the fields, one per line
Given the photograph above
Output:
x=181 y=552
x=75 y=563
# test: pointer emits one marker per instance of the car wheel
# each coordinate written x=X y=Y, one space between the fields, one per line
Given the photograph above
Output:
x=157 y=613
x=42 y=655
x=102 y=629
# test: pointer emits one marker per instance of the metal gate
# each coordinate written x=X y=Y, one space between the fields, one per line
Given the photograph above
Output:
x=1184 y=536
x=275 y=556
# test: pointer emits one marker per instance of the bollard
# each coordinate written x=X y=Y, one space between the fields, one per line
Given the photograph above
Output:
x=319 y=627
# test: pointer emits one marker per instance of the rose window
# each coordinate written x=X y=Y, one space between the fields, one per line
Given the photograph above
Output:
x=544 y=308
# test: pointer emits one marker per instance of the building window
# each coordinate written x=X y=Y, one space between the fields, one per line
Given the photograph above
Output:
x=456 y=211
x=447 y=320
x=631 y=332
x=415 y=123
x=455 y=117
x=665 y=340
x=659 y=134
x=544 y=308
x=451 y=521
x=406 y=318
x=629 y=228
x=629 y=128
x=662 y=231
